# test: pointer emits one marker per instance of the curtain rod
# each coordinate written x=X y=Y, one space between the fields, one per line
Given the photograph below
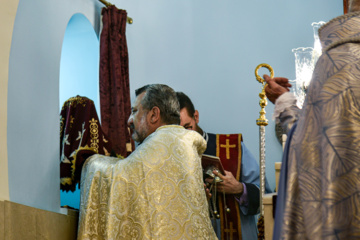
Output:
x=107 y=4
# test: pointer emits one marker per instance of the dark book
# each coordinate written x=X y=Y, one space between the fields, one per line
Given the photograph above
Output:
x=210 y=163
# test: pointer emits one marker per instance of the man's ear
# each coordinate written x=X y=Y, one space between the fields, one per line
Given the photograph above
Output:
x=154 y=115
x=196 y=116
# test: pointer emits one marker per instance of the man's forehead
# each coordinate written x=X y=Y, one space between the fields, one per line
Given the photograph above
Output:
x=138 y=99
x=184 y=111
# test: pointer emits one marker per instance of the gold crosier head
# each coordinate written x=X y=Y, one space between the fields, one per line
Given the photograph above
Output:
x=262 y=121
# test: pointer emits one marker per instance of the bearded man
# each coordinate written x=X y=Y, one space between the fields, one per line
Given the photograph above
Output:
x=155 y=193
x=240 y=184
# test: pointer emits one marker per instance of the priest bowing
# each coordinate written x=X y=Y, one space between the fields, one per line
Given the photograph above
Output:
x=155 y=193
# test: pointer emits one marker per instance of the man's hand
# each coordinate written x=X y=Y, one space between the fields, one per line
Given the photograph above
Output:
x=276 y=87
x=229 y=184
x=207 y=192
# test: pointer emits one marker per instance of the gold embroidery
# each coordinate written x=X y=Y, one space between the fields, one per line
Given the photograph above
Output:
x=145 y=196
x=74 y=155
x=64 y=181
x=231 y=231
x=228 y=146
x=74 y=101
x=61 y=124
x=71 y=121
x=94 y=134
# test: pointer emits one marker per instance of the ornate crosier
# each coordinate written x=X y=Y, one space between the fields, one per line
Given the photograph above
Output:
x=262 y=122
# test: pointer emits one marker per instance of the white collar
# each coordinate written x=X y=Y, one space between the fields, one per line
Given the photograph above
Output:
x=205 y=136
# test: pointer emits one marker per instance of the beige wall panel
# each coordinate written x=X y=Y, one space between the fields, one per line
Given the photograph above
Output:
x=7 y=19
x=2 y=221
x=20 y=222
x=55 y=226
x=268 y=215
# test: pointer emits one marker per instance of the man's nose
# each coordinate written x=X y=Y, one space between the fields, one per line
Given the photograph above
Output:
x=130 y=120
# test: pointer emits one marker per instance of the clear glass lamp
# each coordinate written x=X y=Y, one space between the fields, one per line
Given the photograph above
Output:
x=305 y=60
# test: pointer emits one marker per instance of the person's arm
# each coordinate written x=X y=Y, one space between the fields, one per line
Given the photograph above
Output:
x=246 y=193
x=277 y=91
x=251 y=178
x=286 y=111
x=247 y=189
x=275 y=87
x=251 y=191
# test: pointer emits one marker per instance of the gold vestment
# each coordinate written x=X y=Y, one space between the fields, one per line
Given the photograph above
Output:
x=155 y=193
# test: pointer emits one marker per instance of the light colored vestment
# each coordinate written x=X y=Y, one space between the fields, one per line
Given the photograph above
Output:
x=155 y=193
x=323 y=180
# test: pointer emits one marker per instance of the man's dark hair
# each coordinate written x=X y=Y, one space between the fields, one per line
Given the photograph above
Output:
x=185 y=102
x=163 y=97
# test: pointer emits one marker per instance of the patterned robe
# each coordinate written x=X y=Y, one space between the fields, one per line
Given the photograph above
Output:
x=155 y=193
x=323 y=187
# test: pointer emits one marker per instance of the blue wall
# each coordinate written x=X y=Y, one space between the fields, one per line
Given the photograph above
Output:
x=206 y=48
x=33 y=98
x=210 y=49
x=79 y=64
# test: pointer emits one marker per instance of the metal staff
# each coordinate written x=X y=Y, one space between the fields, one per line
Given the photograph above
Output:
x=262 y=122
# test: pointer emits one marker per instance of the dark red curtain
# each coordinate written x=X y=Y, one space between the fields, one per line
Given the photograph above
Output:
x=346 y=5
x=114 y=79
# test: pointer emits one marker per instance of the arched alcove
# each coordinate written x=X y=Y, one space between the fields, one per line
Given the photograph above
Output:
x=79 y=74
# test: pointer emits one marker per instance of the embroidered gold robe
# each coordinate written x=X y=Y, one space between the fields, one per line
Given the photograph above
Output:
x=323 y=188
x=155 y=193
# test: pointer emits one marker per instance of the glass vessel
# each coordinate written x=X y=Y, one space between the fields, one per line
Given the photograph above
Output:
x=317 y=44
x=304 y=66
